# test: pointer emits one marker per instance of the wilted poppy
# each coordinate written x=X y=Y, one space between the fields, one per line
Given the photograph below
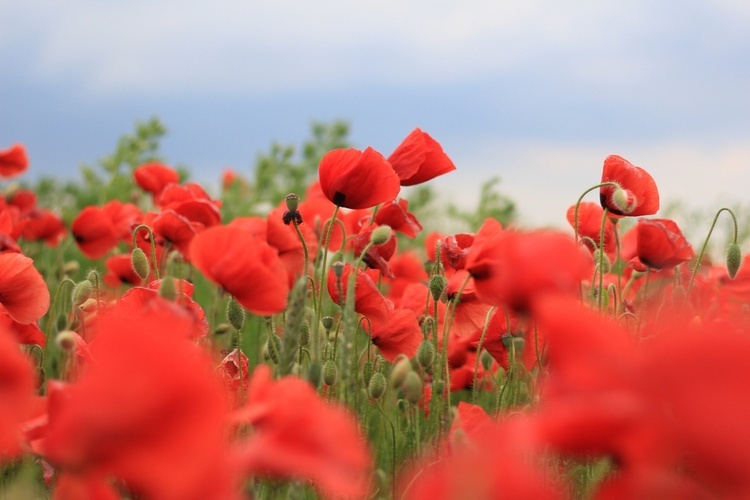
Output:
x=661 y=244
x=321 y=444
x=23 y=291
x=639 y=195
x=357 y=179
x=419 y=158
x=245 y=266
x=13 y=161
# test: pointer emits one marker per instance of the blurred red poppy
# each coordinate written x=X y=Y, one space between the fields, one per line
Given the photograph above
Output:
x=321 y=444
x=13 y=161
x=419 y=158
x=23 y=290
x=590 y=225
x=640 y=194
x=401 y=334
x=28 y=334
x=17 y=384
x=368 y=301
x=245 y=266
x=94 y=232
x=396 y=215
x=357 y=179
x=120 y=271
x=41 y=224
x=661 y=245
x=154 y=177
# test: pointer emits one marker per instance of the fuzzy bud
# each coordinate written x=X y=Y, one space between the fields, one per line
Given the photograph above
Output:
x=623 y=200
x=734 y=259
x=438 y=283
x=66 y=340
x=274 y=348
x=381 y=235
x=304 y=334
x=82 y=292
x=426 y=354
x=139 y=263
x=368 y=370
x=330 y=373
x=401 y=367
x=377 y=384
x=236 y=315
x=314 y=373
x=486 y=359
x=601 y=257
x=428 y=324
x=94 y=277
x=412 y=387
x=292 y=202
x=167 y=289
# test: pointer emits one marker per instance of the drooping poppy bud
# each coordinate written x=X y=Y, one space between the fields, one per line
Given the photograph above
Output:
x=377 y=385
x=235 y=314
x=139 y=261
x=734 y=259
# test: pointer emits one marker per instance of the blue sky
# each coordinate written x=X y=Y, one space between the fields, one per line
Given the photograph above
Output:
x=536 y=92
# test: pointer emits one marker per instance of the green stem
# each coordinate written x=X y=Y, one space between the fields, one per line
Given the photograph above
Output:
x=601 y=257
x=479 y=352
x=705 y=244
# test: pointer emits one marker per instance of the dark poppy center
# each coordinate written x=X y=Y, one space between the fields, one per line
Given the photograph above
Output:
x=339 y=198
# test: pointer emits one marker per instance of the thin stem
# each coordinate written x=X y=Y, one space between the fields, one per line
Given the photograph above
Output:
x=304 y=246
x=479 y=352
x=705 y=244
x=601 y=257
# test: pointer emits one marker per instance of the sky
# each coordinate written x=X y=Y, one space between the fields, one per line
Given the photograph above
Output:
x=537 y=93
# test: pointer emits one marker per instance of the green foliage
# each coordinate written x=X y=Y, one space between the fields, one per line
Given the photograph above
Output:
x=491 y=204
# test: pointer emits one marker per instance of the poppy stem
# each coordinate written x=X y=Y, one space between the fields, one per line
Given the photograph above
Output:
x=52 y=310
x=323 y=276
x=705 y=244
x=479 y=352
x=304 y=246
x=601 y=257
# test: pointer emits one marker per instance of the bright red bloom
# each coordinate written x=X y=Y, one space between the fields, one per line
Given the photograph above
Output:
x=357 y=179
x=510 y=268
x=28 y=334
x=368 y=301
x=245 y=266
x=407 y=268
x=401 y=334
x=154 y=177
x=13 y=161
x=321 y=444
x=174 y=229
x=23 y=291
x=661 y=244
x=590 y=225
x=94 y=232
x=149 y=412
x=124 y=216
x=419 y=158
x=17 y=384
x=40 y=224
x=120 y=271
x=24 y=199
x=455 y=247
x=641 y=195
x=396 y=215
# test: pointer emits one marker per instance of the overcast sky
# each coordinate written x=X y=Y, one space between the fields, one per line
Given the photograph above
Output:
x=536 y=92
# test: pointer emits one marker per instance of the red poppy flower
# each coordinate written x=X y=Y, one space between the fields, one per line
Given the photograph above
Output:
x=149 y=412
x=94 y=232
x=590 y=225
x=13 y=161
x=23 y=291
x=357 y=179
x=661 y=244
x=17 y=383
x=24 y=199
x=321 y=444
x=455 y=247
x=510 y=268
x=407 y=268
x=40 y=224
x=154 y=177
x=641 y=196
x=368 y=301
x=175 y=229
x=401 y=334
x=419 y=158
x=124 y=216
x=234 y=372
x=28 y=334
x=149 y=298
x=246 y=267
x=395 y=215
x=120 y=271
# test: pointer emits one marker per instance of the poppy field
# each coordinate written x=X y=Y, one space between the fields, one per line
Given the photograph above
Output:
x=307 y=334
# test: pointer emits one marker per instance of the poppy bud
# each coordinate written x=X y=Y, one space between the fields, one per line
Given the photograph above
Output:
x=412 y=387
x=368 y=370
x=167 y=289
x=734 y=259
x=71 y=267
x=600 y=256
x=327 y=322
x=292 y=202
x=437 y=286
x=377 y=384
x=236 y=315
x=399 y=371
x=66 y=340
x=139 y=263
x=427 y=326
x=304 y=335
x=624 y=201
x=94 y=277
x=486 y=359
x=314 y=373
x=426 y=354
x=82 y=292
x=381 y=235
x=330 y=373
x=222 y=328
x=274 y=348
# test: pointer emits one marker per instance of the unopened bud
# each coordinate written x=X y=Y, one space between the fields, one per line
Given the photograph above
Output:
x=236 y=315
x=330 y=373
x=368 y=370
x=314 y=373
x=381 y=235
x=274 y=348
x=486 y=359
x=602 y=258
x=139 y=263
x=167 y=289
x=428 y=324
x=401 y=367
x=438 y=283
x=377 y=384
x=292 y=202
x=71 y=267
x=734 y=259
x=412 y=387
x=426 y=354
x=66 y=340
x=82 y=292
x=94 y=277
x=327 y=322
x=623 y=200
x=304 y=334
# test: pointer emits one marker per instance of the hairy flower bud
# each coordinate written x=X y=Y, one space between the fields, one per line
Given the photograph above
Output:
x=236 y=315
x=734 y=259
x=377 y=384
x=304 y=334
x=401 y=367
x=139 y=263
x=274 y=348
x=82 y=292
x=368 y=370
x=66 y=340
x=426 y=354
x=330 y=373
x=438 y=283
x=601 y=257
x=624 y=201
x=381 y=235
x=412 y=387
x=167 y=289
